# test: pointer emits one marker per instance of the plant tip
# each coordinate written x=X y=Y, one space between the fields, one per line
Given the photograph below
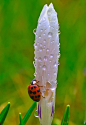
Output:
x=9 y=103
x=68 y=106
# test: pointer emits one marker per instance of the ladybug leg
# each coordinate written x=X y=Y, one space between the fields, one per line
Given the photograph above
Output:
x=43 y=96
x=40 y=86
x=37 y=81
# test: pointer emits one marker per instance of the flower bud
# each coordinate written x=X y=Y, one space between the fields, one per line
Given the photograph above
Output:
x=46 y=62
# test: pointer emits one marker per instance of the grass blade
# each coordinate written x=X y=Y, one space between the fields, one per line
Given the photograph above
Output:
x=84 y=122
x=4 y=113
x=29 y=112
x=65 y=120
x=21 y=120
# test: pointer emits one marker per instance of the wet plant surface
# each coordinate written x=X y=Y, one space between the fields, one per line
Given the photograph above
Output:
x=17 y=21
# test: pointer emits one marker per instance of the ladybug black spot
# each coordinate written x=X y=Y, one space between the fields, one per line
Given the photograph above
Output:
x=30 y=92
x=31 y=87
x=35 y=96
x=38 y=96
x=38 y=90
x=34 y=92
x=32 y=97
x=35 y=86
x=37 y=100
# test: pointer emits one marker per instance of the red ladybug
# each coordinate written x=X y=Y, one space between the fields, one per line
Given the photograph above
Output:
x=34 y=91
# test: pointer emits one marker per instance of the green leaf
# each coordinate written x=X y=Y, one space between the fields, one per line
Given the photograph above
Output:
x=28 y=114
x=21 y=120
x=4 y=113
x=65 y=120
x=84 y=122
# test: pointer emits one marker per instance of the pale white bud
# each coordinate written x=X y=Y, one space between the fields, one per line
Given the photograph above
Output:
x=46 y=62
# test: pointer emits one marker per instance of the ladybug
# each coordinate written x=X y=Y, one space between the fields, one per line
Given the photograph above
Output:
x=34 y=91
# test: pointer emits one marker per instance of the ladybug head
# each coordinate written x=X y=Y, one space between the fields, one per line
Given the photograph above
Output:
x=33 y=82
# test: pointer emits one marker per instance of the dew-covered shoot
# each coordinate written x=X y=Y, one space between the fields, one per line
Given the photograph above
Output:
x=46 y=62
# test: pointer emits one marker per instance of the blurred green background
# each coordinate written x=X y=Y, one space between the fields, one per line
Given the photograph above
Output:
x=18 y=18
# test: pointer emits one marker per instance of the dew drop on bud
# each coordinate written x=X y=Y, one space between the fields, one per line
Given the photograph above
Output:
x=58 y=55
x=40 y=44
x=51 y=56
x=55 y=65
x=40 y=49
x=33 y=62
x=44 y=67
x=47 y=49
x=41 y=30
x=39 y=59
x=44 y=41
x=55 y=73
x=39 y=37
x=50 y=34
x=36 y=113
x=35 y=74
x=44 y=34
x=45 y=58
x=44 y=46
x=35 y=45
x=34 y=31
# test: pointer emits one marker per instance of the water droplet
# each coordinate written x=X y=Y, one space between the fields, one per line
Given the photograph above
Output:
x=35 y=45
x=58 y=63
x=44 y=46
x=36 y=113
x=34 y=31
x=55 y=73
x=33 y=62
x=50 y=34
x=41 y=30
x=58 y=44
x=39 y=37
x=44 y=41
x=35 y=58
x=55 y=81
x=45 y=58
x=44 y=34
x=44 y=49
x=55 y=65
x=40 y=49
x=51 y=56
x=58 y=55
x=40 y=44
x=44 y=67
x=35 y=74
x=47 y=49
x=39 y=59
